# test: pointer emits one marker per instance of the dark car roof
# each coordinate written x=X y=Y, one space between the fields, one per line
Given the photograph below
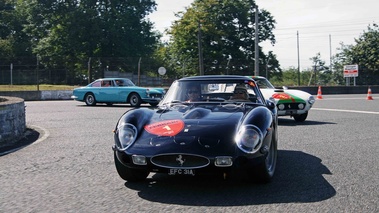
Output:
x=256 y=77
x=215 y=77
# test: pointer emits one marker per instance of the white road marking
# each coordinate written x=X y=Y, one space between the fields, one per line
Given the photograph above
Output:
x=345 y=110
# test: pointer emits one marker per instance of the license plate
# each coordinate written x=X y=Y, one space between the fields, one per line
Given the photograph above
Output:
x=291 y=112
x=181 y=172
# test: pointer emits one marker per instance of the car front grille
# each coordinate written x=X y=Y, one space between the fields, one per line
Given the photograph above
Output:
x=182 y=161
x=156 y=95
x=291 y=106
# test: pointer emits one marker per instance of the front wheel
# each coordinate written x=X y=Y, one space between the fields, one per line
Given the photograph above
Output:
x=265 y=170
x=135 y=100
x=128 y=174
x=301 y=117
x=90 y=99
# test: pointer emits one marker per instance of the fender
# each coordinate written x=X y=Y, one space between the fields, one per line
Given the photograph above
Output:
x=261 y=117
x=138 y=117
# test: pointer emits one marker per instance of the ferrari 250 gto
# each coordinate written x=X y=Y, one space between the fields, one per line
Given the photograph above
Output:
x=204 y=125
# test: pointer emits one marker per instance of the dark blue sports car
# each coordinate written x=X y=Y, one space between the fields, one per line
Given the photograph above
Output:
x=204 y=125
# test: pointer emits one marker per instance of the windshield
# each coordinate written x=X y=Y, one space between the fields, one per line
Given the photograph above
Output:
x=214 y=91
x=264 y=83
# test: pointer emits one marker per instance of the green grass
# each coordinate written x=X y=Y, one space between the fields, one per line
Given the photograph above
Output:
x=34 y=87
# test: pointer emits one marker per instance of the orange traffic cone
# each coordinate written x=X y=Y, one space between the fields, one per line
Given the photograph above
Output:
x=319 y=95
x=369 y=94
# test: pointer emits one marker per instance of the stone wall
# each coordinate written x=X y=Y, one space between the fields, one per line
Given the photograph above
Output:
x=12 y=119
x=40 y=95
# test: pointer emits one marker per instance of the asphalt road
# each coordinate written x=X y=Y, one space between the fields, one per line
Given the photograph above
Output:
x=329 y=163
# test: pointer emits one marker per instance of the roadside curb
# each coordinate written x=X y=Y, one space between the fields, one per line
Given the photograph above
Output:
x=32 y=135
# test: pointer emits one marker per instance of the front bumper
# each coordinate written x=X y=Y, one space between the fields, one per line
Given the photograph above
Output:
x=292 y=108
x=243 y=161
x=291 y=112
x=74 y=97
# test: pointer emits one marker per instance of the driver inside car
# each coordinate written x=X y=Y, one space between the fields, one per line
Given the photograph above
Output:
x=193 y=94
x=240 y=94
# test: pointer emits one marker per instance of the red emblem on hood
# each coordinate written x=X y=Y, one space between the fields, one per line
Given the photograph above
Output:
x=283 y=96
x=165 y=128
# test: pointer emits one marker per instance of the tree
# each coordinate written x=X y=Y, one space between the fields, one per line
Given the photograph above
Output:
x=68 y=33
x=339 y=60
x=13 y=40
x=272 y=66
x=227 y=29
x=365 y=53
x=319 y=68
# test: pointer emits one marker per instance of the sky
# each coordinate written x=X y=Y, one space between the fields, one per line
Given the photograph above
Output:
x=317 y=26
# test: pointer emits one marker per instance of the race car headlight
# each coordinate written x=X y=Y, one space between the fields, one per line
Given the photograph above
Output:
x=281 y=106
x=249 y=139
x=301 y=106
x=127 y=134
x=311 y=100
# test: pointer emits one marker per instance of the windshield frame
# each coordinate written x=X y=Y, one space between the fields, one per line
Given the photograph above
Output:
x=211 y=90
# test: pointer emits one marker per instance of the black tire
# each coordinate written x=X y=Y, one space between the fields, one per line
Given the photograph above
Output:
x=90 y=99
x=264 y=171
x=135 y=100
x=128 y=174
x=301 y=117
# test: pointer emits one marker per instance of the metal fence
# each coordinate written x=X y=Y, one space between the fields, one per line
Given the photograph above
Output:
x=14 y=76
x=28 y=71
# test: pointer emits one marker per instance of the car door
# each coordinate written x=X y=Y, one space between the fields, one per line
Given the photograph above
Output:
x=108 y=92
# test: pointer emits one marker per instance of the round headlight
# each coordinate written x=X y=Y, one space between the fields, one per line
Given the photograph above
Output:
x=127 y=134
x=311 y=100
x=281 y=106
x=249 y=139
x=301 y=106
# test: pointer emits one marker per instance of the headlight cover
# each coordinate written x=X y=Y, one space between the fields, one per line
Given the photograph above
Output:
x=127 y=134
x=301 y=106
x=311 y=100
x=281 y=106
x=249 y=139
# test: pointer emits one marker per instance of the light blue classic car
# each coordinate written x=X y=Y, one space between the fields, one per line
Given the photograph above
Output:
x=117 y=90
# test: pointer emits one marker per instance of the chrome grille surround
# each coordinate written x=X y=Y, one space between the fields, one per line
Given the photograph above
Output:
x=180 y=161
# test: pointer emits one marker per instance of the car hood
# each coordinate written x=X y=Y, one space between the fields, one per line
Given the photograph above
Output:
x=204 y=130
x=286 y=95
x=158 y=90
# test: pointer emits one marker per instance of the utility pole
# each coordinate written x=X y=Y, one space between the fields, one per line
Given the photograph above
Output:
x=227 y=66
x=256 y=42
x=37 y=73
x=298 y=60
x=315 y=70
x=201 y=66
x=89 y=70
x=330 y=49
x=139 y=71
